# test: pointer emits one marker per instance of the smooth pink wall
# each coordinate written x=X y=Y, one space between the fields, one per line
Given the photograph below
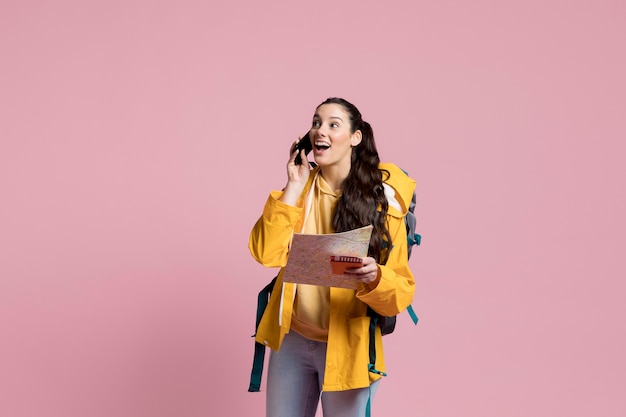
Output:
x=139 y=140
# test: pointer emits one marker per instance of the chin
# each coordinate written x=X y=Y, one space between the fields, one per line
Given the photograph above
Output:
x=319 y=162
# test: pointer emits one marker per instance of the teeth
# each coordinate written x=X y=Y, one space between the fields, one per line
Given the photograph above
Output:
x=322 y=144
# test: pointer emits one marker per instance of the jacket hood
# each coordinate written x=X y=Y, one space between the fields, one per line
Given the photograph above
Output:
x=403 y=185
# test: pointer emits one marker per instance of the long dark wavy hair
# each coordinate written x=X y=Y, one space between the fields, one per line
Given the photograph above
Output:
x=363 y=200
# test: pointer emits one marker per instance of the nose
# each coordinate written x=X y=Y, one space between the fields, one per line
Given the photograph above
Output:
x=322 y=130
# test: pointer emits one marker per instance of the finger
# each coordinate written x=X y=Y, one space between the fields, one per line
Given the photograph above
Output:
x=303 y=156
x=368 y=260
x=292 y=149
x=292 y=158
x=294 y=144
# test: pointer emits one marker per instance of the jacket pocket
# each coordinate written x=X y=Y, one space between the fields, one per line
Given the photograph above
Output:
x=358 y=351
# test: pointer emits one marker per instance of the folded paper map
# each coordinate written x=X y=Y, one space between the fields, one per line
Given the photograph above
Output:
x=309 y=256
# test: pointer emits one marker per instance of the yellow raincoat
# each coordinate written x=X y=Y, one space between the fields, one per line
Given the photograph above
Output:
x=347 y=355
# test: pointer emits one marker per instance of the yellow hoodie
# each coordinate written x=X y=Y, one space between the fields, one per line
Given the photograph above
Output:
x=347 y=355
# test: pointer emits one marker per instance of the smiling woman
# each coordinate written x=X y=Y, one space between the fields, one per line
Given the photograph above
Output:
x=323 y=332
x=333 y=138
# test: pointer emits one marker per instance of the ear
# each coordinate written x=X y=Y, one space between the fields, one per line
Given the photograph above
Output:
x=356 y=138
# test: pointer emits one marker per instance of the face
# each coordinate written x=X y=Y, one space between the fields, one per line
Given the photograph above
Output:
x=332 y=137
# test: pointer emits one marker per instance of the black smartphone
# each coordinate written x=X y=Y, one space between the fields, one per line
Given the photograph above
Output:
x=304 y=143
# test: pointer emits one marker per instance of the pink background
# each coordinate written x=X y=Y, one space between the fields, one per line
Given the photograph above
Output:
x=139 y=140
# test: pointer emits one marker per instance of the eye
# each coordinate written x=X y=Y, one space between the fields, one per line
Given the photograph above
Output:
x=316 y=123
x=334 y=124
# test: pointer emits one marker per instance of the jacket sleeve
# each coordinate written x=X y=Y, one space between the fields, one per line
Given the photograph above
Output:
x=271 y=234
x=395 y=289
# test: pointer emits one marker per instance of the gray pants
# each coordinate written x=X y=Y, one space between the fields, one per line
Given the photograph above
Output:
x=294 y=382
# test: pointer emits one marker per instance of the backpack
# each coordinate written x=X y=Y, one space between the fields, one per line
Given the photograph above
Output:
x=387 y=324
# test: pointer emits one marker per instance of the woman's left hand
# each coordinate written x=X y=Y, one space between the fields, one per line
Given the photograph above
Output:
x=367 y=274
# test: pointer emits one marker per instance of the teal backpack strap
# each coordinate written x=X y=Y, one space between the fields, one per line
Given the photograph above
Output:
x=259 y=349
x=257 y=367
x=372 y=346
x=368 y=407
x=372 y=364
x=414 y=240
x=412 y=314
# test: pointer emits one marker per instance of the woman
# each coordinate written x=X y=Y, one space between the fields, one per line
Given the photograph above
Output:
x=319 y=335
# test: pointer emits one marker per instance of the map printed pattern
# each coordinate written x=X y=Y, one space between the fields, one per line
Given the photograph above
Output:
x=309 y=256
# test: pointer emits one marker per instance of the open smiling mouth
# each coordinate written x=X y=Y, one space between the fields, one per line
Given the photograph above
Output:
x=321 y=146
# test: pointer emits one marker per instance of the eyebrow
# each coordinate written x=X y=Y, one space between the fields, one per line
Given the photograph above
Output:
x=331 y=117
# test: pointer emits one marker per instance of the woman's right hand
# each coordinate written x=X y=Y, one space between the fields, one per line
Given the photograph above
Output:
x=297 y=175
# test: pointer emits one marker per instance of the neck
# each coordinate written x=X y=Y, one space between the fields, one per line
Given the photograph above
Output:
x=335 y=175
